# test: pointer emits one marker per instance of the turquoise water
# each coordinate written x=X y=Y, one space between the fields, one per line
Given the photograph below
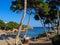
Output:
x=35 y=32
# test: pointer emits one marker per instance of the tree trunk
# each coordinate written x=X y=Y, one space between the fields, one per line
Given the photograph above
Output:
x=28 y=23
x=44 y=28
x=46 y=32
x=58 y=31
x=22 y=20
x=49 y=25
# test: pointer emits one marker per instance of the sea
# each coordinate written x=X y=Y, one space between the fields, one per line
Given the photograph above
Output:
x=35 y=31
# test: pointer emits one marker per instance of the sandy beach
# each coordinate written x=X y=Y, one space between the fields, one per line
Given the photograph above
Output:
x=8 y=40
x=12 y=42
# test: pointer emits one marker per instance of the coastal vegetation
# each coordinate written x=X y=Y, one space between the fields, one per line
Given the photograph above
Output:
x=2 y=24
x=10 y=25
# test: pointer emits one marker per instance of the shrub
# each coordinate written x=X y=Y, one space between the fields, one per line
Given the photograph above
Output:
x=56 y=40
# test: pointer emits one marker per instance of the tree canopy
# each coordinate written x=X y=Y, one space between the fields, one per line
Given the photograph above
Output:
x=46 y=9
x=11 y=25
x=51 y=9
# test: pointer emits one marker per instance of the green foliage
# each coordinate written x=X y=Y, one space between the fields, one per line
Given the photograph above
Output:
x=45 y=7
x=19 y=4
x=24 y=26
x=46 y=10
x=11 y=25
x=2 y=24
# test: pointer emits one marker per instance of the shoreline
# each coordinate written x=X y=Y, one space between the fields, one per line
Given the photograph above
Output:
x=12 y=41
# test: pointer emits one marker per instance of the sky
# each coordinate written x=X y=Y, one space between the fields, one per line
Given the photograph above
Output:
x=7 y=15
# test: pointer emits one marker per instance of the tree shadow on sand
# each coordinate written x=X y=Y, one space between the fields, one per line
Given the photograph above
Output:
x=6 y=38
x=3 y=36
x=7 y=42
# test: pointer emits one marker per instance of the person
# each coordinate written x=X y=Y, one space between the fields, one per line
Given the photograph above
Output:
x=26 y=38
x=35 y=39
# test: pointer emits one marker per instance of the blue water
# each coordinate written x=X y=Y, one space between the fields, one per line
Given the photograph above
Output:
x=35 y=32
